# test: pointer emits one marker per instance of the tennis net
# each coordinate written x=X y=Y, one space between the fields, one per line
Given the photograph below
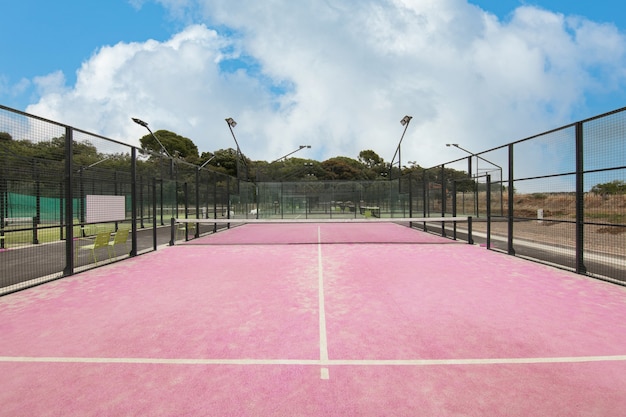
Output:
x=235 y=231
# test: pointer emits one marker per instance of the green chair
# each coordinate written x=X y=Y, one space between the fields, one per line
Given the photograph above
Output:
x=184 y=230
x=120 y=238
x=101 y=241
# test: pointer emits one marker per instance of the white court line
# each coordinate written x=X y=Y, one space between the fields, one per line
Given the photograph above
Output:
x=315 y=362
x=322 y=309
x=159 y=361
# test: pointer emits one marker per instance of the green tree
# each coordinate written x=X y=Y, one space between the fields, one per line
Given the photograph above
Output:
x=176 y=145
x=344 y=168
x=297 y=169
x=206 y=158
x=610 y=188
x=370 y=158
x=225 y=161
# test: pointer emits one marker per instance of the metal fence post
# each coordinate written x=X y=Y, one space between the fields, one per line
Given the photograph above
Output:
x=410 y=196
x=186 y=196
x=228 y=198
x=81 y=201
x=580 y=201
x=61 y=212
x=197 y=228
x=215 y=200
x=154 y=213
x=3 y=207
x=425 y=201
x=69 y=202
x=443 y=199
x=141 y=208
x=161 y=201
x=37 y=201
x=133 y=200
x=510 y=212
x=454 y=211
x=172 y=231
x=488 y=211
x=35 y=222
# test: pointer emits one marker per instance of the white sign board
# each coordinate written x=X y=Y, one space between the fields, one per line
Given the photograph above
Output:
x=105 y=208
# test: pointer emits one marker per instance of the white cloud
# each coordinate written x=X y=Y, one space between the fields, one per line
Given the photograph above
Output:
x=13 y=90
x=348 y=73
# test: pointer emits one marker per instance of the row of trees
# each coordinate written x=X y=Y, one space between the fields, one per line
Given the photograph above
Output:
x=368 y=166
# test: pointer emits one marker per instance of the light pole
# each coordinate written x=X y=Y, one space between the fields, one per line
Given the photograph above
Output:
x=145 y=124
x=404 y=122
x=232 y=123
x=292 y=152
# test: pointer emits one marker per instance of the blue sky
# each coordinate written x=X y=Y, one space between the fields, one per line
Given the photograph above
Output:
x=609 y=11
x=40 y=37
x=293 y=73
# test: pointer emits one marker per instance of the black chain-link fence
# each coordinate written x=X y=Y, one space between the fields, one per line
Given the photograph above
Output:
x=71 y=200
x=558 y=197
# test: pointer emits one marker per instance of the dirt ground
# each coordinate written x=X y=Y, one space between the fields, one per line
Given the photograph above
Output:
x=561 y=207
x=602 y=239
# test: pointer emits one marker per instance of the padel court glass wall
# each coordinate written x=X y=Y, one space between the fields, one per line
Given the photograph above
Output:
x=558 y=197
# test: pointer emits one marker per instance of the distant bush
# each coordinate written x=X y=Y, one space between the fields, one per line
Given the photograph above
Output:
x=610 y=188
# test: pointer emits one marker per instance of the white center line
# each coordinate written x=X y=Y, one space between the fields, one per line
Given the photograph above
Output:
x=322 y=311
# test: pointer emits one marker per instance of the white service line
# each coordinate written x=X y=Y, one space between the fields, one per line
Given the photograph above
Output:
x=322 y=310
x=314 y=362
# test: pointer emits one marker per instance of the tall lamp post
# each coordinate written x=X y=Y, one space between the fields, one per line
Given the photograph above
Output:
x=232 y=123
x=404 y=122
x=145 y=124
x=284 y=157
x=292 y=152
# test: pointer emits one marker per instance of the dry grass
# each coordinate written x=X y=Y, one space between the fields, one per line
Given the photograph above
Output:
x=559 y=212
x=561 y=206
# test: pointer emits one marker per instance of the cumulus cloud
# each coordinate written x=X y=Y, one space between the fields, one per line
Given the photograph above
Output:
x=340 y=75
x=13 y=90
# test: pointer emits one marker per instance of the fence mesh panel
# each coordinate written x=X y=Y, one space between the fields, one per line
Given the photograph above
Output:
x=558 y=197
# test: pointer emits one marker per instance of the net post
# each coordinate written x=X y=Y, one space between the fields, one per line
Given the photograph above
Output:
x=470 y=238
x=173 y=232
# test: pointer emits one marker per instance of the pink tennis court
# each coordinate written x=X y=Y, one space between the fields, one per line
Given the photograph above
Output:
x=253 y=321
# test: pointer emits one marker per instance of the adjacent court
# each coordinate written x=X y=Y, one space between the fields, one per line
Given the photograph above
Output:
x=316 y=319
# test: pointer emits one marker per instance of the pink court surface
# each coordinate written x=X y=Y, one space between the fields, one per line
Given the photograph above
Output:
x=222 y=326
